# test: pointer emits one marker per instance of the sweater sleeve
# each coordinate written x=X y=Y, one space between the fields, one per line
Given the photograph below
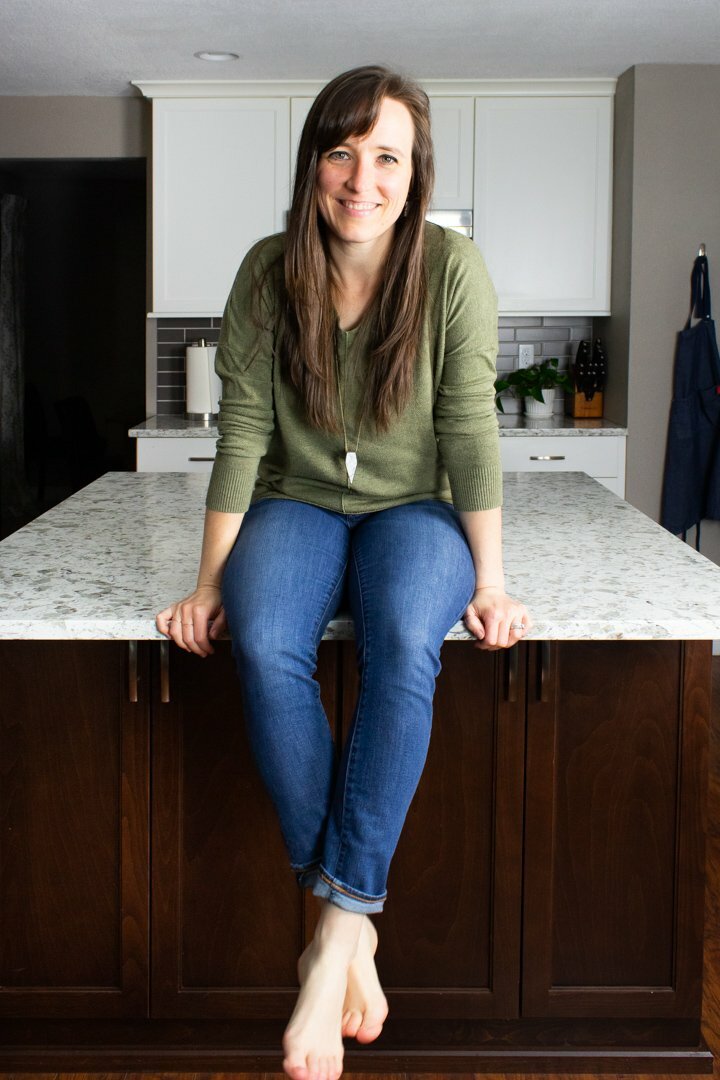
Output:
x=244 y=362
x=466 y=426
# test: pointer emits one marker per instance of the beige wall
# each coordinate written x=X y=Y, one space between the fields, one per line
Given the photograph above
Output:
x=667 y=164
x=68 y=127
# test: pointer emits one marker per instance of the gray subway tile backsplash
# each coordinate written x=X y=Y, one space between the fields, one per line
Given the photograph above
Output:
x=556 y=335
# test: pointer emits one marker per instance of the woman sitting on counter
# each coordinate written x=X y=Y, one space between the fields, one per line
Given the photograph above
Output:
x=358 y=467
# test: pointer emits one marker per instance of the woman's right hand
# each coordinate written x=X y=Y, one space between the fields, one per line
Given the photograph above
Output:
x=186 y=622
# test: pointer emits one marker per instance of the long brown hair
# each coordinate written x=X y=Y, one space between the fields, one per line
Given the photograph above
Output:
x=349 y=106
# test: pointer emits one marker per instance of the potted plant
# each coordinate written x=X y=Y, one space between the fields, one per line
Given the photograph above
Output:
x=536 y=385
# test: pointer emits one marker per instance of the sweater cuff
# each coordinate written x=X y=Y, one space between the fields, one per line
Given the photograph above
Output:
x=230 y=490
x=478 y=488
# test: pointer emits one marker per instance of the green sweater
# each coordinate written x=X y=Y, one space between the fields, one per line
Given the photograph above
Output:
x=443 y=446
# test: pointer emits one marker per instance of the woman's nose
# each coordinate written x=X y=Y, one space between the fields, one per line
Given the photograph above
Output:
x=360 y=177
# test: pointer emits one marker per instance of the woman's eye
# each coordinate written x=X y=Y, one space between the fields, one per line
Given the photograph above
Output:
x=388 y=159
x=338 y=155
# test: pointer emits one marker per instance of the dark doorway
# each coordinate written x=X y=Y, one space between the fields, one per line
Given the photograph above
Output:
x=84 y=286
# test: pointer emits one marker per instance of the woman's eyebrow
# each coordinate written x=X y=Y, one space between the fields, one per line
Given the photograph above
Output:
x=391 y=150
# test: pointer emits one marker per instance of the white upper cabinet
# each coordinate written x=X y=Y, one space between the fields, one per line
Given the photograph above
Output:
x=452 y=132
x=531 y=159
x=542 y=201
x=221 y=181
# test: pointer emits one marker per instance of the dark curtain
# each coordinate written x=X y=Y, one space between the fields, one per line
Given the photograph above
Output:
x=14 y=493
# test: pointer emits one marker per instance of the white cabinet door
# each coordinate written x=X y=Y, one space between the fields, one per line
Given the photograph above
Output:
x=220 y=182
x=452 y=133
x=542 y=206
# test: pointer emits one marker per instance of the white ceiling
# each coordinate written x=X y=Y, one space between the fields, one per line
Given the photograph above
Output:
x=98 y=46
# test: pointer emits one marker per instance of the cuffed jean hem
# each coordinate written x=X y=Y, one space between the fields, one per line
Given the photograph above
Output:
x=329 y=888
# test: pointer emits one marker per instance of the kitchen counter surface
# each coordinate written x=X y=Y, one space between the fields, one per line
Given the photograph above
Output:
x=588 y=565
x=177 y=427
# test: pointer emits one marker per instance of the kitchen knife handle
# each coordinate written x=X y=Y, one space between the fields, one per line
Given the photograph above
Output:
x=512 y=664
x=544 y=671
x=165 y=671
x=133 y=670
x=547 y=457
x=201 y=459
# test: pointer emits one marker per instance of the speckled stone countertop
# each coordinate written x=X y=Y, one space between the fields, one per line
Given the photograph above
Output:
x=587 y=564
x=177 y=427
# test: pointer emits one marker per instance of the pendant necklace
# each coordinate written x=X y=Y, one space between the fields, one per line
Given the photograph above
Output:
x=350 y=455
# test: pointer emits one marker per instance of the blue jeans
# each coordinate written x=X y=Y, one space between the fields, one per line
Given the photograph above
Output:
x=406 y=574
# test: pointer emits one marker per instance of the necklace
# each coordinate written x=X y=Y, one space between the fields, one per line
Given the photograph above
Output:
x=350 y=455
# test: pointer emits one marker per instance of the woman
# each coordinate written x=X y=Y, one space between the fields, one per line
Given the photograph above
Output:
x=357 y=466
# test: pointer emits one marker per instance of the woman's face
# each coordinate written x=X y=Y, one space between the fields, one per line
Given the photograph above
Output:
x=363 y=183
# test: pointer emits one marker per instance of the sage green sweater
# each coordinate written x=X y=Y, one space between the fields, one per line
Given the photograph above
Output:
x=443 y=446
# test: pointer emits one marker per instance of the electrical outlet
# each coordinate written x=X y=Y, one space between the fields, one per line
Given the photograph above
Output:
x=526 y=356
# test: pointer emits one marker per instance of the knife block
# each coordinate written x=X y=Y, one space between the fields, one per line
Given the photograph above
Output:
x=577 y=405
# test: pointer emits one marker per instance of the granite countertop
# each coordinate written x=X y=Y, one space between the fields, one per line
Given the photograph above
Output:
x=588 y=565
x=177 y=427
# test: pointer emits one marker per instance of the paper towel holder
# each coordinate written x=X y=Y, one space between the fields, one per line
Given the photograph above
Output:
x=202 y=385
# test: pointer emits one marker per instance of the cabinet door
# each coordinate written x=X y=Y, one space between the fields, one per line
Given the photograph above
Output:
x=616 y=788
x=228 y=918
x=453 y=137
x=449 y=932
x=543 y=169
x=220 y=182
x=73 y=831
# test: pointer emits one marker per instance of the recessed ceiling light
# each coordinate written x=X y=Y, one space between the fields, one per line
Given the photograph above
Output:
x=218 y=57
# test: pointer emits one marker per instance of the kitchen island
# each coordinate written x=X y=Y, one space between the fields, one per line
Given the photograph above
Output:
x=545 y=903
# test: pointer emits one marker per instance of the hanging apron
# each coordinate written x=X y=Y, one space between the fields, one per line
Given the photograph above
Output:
x=691 y=484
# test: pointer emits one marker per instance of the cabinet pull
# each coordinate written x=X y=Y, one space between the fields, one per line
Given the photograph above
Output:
x=512 y=663
x=133 y=670
x=544 y=671
x=201 y=459
x=547 y=457
x=165 y=671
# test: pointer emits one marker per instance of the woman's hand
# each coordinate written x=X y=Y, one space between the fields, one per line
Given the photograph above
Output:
x=186 y=623
x=494 y=618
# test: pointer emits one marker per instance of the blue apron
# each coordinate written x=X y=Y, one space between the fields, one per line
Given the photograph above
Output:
x=691 y=484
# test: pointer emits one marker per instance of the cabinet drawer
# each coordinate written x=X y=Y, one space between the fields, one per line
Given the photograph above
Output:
x=175 y=455
x=598 y=456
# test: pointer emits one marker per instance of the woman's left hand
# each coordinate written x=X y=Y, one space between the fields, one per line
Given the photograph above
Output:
x=494 y=618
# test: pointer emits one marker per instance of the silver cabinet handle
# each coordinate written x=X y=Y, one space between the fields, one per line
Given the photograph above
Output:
x=165 y=671
x=133 y=670
x=201 y=459
x=547 y=457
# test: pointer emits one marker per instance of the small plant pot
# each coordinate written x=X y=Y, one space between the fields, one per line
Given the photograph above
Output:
x=540 y=409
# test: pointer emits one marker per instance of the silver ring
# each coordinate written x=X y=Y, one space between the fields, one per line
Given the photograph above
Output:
x=517 y=626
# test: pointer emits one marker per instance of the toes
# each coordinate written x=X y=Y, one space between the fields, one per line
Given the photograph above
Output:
x=368 y=1033
x=352 y=1020
x=296 y=1070
x=371 y=1027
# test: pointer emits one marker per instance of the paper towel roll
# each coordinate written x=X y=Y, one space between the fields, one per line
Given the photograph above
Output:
x=202 y=386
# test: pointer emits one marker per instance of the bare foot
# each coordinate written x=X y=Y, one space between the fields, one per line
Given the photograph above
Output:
x=365 y=1007
x=313 y=1041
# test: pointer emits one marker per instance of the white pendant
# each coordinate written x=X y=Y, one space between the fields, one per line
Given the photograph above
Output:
x=351 y=464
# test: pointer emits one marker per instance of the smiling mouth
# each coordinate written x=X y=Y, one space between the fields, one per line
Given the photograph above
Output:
x=358 y=206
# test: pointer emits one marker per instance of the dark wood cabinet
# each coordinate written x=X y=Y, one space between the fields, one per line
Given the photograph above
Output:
x=74 y=851
x=615 y=798
x=545 y=902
